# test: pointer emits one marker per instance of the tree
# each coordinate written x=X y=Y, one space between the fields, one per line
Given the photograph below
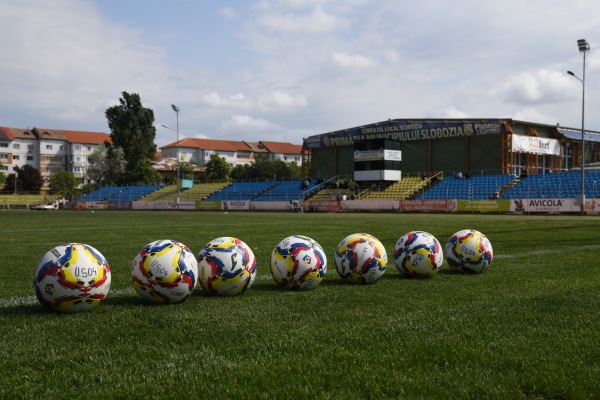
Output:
x=63 y=183
x=132 y=129
x=107 y=165
x=240 y=172
x=28 y=179
x=2 y=176
x=217 y=168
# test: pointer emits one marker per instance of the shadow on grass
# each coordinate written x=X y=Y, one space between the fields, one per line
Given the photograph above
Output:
x=25 y=309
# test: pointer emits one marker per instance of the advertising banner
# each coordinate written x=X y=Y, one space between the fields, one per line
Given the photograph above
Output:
x=235 y=205
x=376 y=155
x=406 y=131
x=428 y=205
x=483 y=206
x=553 y=206
x=208 y=205
x=536 y=145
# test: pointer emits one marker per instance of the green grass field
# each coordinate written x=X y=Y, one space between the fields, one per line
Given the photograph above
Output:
x=528 y=328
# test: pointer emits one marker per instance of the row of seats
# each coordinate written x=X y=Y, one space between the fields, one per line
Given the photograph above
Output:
x=556 y=185
x=114 y=194
x=475 y=187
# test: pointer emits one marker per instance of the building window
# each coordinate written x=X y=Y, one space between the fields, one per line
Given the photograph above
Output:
x=29 y=147
x=48 y=147
x=16 y=146
x=15 y=157
x=77 y=147
x=61 y=147
x=3 y=156
x=29 y=158
x=3 y=144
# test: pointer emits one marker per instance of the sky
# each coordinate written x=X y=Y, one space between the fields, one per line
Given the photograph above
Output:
x=283 y=70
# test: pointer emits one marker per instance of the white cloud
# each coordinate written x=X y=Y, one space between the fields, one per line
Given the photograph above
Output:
x=316 y=21
x=282 y=101
x=236 y=101
x=353 y=61
x=246 y=123
x=228 y=12
x=276 y=100
x=533 y=115
x=543 y=86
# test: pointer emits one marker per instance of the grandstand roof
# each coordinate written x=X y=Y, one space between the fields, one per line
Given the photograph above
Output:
x=576 y=135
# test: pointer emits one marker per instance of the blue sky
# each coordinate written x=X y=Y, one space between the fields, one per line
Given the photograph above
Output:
x=283 y=70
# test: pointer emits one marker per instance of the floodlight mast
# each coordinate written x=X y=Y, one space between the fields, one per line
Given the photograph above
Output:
x=584 y=48
x=176 y=109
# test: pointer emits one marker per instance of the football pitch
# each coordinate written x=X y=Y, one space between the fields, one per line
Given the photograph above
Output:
x=528 y=328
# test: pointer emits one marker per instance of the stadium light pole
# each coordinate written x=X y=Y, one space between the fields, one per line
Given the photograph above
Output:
x=176 y=109
x=584 y=48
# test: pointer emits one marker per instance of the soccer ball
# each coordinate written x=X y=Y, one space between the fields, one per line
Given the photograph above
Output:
x=226 y=266
x=164 y=271
x=418 y=254
x=298 y=262
x=72 y=277
x=360 y=258
x=469 y=251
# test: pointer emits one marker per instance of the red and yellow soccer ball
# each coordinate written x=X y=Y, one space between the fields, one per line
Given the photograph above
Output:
x=72 y=277
x=226 y=266
x=298 y=262
x=469 y=251
x=360 y=258
x=164 y=271
x=418 y=254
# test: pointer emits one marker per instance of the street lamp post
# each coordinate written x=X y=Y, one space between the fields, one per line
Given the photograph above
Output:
x=176 y=109
x=584 y=48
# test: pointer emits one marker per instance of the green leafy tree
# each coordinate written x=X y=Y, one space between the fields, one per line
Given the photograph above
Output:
x=28 y=179
x=107 y=165
x=217 y=168
x=2 y=176
x=63 y=183
x=132 y=129
x=241 y=172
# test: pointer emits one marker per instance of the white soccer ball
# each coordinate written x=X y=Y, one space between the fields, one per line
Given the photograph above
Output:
x=226 y=266
x=418 y=254
x=164 y=271
x=360 y=258
x=469 y=251
x=298 y=262
x=72 y=277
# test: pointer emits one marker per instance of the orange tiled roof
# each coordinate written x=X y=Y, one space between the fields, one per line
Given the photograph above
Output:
x=86 y=137
x=211 y=144
x=281 y=147
x=12 y=133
